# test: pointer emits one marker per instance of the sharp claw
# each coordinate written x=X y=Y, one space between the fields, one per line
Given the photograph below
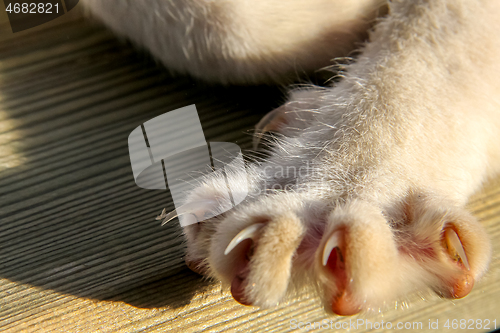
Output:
x=249 y=232
x=455 y=247
x=270 y=122
x=197 y=208
x=334 y=241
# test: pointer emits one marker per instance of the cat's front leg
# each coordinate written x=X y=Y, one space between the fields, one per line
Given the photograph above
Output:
x=392 y=153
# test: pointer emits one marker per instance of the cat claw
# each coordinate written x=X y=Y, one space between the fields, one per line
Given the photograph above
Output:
x=334 y=241
x=464 y=282
x=250 y=232
x=455 y=248
x=197 y=209
x=270 y=122
x=343 y=303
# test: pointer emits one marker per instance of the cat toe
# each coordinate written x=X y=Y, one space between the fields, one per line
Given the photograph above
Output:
x=445 y=241
x=465 y=254
x=357 y=259
x=257 y=262
x=245 y=241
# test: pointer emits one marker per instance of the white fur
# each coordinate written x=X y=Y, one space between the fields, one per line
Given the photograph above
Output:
x=391 y=153
x=240 y=41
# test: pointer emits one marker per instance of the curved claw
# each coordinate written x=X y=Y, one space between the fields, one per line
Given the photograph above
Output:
x=197 y=208
x=463 y=282
x=334 y=241
x=270 y=122
x=249 y=232
x=455 y=247
x=343 y=302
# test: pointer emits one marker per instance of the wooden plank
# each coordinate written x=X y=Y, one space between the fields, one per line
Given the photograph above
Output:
x=80 y=250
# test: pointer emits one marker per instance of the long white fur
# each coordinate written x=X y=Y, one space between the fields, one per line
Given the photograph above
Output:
x=391 y=152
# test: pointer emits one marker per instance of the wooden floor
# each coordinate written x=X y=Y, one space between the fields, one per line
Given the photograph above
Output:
x=80 y=249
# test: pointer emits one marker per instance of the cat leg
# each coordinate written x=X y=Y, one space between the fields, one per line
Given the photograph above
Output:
x=241 y=41
x=403 y=120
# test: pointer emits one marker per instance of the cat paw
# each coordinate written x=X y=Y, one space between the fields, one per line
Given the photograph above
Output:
x=358 y=255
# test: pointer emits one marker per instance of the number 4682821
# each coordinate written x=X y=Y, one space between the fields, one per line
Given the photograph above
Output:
x=32 y=8
x=470 y=324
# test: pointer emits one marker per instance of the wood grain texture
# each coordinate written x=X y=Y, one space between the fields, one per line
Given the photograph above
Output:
x=80 y=250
